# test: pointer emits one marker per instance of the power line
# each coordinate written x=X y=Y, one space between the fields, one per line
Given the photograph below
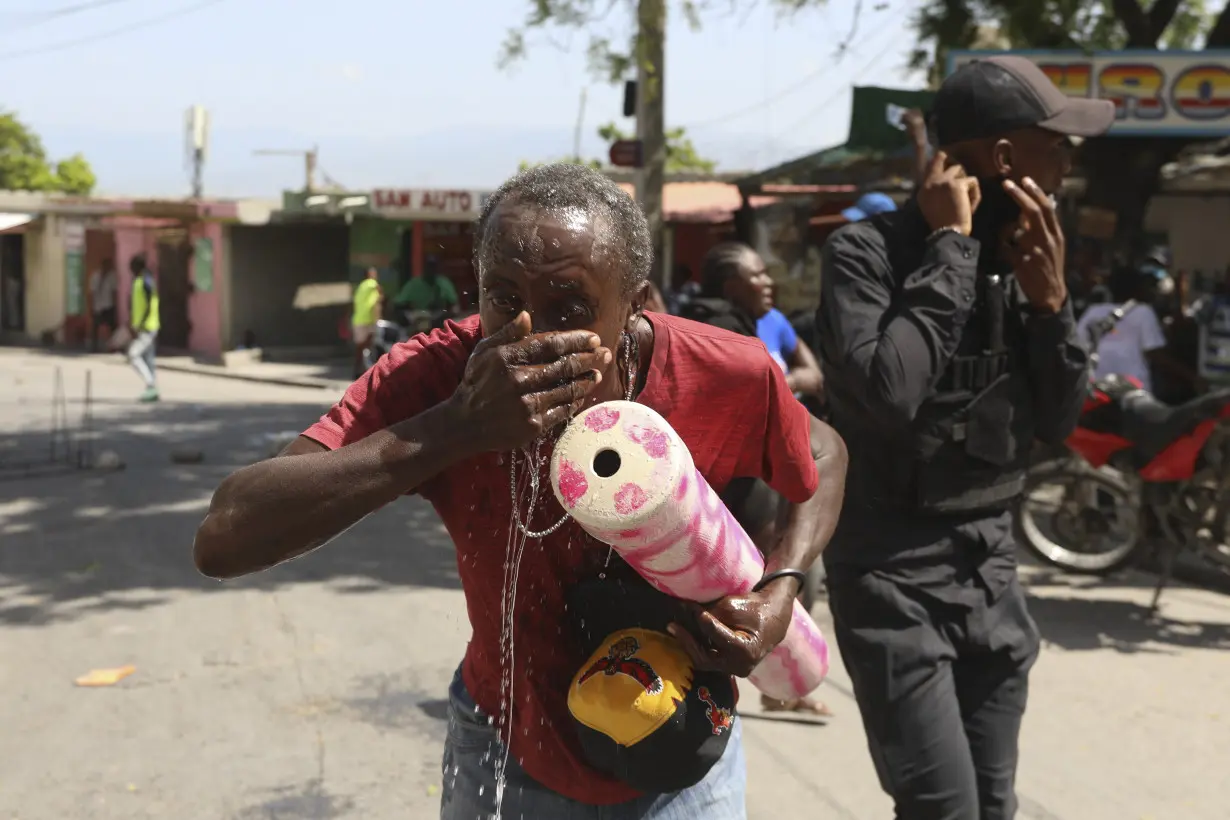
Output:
x=37 y=18
x=843 y=48
x=80 y=41
x=830 y=99
x=765 y=103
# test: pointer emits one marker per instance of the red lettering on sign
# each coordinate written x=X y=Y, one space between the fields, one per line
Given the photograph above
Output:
x=441 y=201
x=1202 y=92
x=1070 y=78
x=1135 y=89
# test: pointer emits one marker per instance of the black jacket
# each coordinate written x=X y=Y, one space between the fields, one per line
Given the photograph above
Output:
x=933 y=421
x=719 y=313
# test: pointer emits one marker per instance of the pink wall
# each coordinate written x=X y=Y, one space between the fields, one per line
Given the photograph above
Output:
x=138 y=235
x=132 y=236
x=205 y=309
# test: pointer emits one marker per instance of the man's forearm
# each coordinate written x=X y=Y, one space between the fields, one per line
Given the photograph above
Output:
x=811 y=524
x=281 y=508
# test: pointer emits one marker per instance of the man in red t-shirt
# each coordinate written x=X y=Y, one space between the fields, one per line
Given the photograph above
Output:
x=563 y=257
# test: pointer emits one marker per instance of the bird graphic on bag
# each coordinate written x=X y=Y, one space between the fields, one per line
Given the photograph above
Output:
x=621 y=660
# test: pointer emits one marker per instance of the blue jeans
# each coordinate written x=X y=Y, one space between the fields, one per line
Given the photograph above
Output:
x=469 y=780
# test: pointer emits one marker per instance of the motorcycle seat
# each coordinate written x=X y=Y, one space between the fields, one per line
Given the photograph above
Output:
x=1153 y=426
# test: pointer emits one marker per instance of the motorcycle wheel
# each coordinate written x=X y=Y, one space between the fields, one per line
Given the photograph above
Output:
x=1093 y=529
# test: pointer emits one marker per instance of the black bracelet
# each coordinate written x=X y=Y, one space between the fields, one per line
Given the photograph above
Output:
x=796 y=574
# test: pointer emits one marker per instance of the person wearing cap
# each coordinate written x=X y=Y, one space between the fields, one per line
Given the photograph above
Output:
x=869 y=205
x=948 y=345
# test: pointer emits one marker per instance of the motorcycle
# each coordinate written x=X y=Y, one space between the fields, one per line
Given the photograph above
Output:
x=389 y=333
x=1137 y=472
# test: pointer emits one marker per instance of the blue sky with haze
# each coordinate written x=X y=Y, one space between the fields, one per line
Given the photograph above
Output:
x=407 y=92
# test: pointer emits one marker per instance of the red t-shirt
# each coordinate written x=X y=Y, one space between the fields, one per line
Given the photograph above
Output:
x=721 y=392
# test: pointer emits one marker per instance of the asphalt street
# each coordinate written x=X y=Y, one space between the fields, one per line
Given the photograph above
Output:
x=316 y=690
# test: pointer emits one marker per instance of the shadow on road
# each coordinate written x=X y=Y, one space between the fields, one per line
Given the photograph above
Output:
x=80 y=541
x=1071 y=619
x=308 y=801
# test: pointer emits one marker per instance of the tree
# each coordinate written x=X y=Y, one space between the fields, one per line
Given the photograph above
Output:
x=622 y=46
x=589 y=163
x=681 y=154
x=24 y=165
x=1122 y=173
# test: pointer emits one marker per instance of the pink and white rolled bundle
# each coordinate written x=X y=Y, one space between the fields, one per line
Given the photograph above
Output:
x=628 y=479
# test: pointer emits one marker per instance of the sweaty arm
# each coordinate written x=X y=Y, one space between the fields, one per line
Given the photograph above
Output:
x=1058 y=372
x=888 y=344
x=275 y=510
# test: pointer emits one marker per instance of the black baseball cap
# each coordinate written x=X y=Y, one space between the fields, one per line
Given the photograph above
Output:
x=643 y=714
x=992 y=96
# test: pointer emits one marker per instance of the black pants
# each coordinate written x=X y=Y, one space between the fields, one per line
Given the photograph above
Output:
x=940 y=671
x=107 y=317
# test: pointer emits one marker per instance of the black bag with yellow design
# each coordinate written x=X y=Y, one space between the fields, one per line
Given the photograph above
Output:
x=643 y=714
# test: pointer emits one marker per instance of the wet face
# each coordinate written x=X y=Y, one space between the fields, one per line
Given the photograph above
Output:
x=751 y=289
x=552 y=266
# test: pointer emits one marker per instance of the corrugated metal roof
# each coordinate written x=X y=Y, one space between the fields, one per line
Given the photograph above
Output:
x=701 y=201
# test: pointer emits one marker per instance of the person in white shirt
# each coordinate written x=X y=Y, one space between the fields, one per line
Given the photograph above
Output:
x=103 y=289
x=1137 y=343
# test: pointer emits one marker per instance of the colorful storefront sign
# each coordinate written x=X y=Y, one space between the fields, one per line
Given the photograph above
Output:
x=1156 y=93
x=412 y=203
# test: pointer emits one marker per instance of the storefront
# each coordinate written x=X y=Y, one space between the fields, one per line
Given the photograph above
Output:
x=1157 y=95
x=405 y=229
x=806 y=195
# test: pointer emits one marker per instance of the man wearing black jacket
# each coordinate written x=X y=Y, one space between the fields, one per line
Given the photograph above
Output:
x=948 y=346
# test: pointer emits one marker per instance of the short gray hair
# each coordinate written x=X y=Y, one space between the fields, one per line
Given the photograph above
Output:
x=623 y=232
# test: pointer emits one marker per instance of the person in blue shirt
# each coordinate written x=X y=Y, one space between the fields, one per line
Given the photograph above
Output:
x=737 y=295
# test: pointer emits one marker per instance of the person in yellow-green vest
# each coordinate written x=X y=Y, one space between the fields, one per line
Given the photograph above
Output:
x=143 y=320
x=367 y=296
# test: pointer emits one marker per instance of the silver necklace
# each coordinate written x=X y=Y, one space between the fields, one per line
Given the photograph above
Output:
x=534 y=461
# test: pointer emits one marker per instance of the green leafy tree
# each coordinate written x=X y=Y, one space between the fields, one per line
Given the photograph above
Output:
x=74 y=176
x=1121 y=172
x=590 y=163
x=626 y=38
x=681 y=154
x=24 y=165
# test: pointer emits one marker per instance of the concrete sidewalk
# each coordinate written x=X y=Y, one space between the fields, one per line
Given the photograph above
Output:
x=329 y=374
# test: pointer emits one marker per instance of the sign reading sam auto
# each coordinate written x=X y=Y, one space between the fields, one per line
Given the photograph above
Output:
x=413 y=203
x=1156 y=93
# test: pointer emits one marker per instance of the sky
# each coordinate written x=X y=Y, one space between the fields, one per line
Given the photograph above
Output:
x=407 y=93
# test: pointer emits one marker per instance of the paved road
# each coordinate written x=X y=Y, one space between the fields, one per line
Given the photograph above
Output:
x=315 y=690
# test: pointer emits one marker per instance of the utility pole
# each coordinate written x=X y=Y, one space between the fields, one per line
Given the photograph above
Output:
x=650 y=121
x=196 y=146
x=576 y=135
x=309 y=163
